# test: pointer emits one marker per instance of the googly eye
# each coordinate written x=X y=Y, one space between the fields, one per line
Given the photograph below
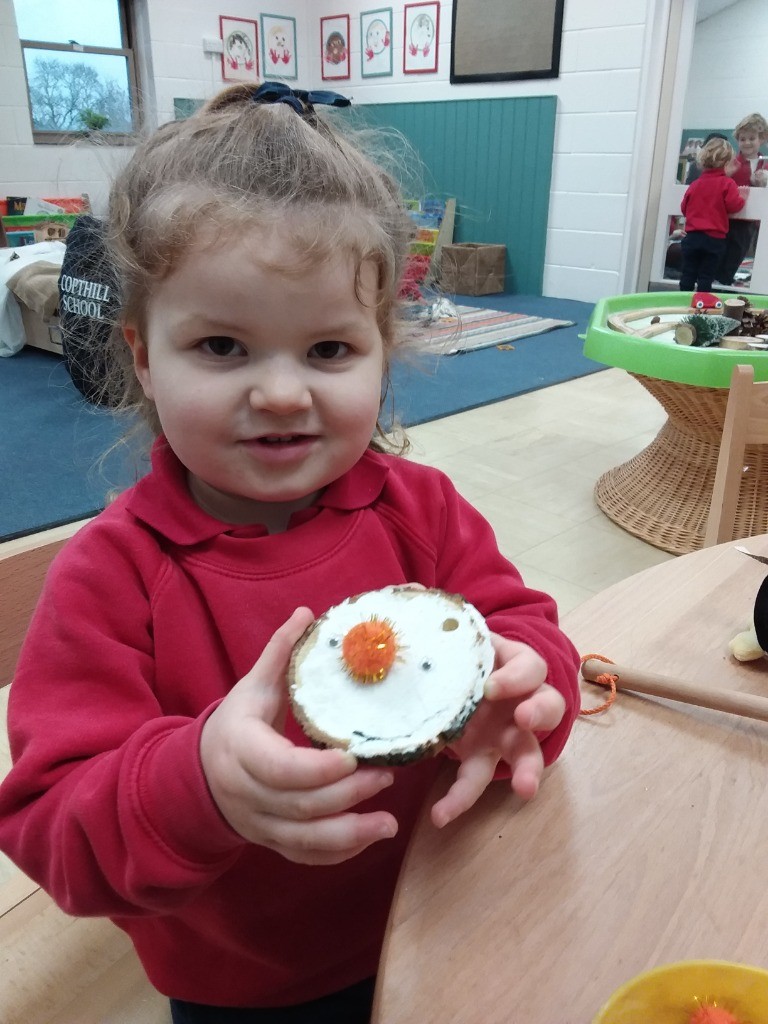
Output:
x=426 y=664
x=334 y=641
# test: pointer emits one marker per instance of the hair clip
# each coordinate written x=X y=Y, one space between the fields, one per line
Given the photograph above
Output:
x=302 y=101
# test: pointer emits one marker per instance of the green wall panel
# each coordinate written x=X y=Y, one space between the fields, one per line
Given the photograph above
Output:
x=495 y=157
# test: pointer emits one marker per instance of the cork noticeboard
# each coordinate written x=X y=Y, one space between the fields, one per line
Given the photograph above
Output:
x=497 y=40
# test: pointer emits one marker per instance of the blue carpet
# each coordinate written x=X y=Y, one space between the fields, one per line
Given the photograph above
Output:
x=437 y=386
x=51 y=464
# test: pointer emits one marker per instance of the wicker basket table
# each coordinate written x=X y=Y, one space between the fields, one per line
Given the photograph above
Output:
x=662 y=494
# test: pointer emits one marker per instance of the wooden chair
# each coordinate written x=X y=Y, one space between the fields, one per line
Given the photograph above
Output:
x=56 y=969
x=746 y=423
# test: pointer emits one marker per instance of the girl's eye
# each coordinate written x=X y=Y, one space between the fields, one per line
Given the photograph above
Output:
x=220 y=346
x=329 y=350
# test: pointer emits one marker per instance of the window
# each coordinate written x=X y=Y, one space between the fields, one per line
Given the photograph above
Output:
x=79 y=67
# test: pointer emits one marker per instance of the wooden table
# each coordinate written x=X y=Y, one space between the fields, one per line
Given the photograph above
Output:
x=645 y=845
x=662 y=494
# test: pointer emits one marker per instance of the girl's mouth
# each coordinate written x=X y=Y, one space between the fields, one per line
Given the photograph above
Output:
x=281 y=438
x=281 y=447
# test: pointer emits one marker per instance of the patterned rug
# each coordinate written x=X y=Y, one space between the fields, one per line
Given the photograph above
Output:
x=482 y=328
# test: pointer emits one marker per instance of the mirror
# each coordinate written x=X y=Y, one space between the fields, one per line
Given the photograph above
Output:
x=725 y=84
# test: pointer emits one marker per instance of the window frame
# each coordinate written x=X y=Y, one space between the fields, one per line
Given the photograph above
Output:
x=45 y=137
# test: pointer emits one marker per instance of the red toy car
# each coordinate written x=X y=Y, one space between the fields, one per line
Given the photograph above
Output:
x=706 y=300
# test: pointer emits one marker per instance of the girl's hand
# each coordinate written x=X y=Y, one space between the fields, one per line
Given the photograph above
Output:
x=517 y=705
x=294 y=800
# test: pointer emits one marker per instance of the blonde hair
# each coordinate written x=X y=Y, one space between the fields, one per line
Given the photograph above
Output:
x=752 y=123
x=715 y=153
x=234 y=166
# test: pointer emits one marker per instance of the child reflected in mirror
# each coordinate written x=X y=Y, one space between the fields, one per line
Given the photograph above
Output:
x=707 y=206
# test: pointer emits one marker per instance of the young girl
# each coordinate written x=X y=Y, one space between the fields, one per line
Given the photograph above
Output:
x=707 y=206
x=158 y=778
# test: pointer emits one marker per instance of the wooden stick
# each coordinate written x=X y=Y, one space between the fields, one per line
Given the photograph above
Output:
x=748 y=705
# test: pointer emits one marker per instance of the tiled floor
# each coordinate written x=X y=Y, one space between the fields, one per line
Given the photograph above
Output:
x=530 y=464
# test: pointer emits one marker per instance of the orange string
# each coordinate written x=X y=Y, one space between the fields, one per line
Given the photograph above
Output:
x=604 y=679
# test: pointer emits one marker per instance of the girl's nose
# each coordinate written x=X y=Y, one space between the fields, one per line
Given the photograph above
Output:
x=279 y=387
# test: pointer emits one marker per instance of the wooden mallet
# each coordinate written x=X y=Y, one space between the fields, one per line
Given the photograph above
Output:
x=748 y=705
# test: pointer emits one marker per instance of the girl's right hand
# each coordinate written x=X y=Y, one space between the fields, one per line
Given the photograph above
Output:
x=294 y=800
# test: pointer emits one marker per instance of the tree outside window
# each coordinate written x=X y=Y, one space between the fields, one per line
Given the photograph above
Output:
x=79 y=67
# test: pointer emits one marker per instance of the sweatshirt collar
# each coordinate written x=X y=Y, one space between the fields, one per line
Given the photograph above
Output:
x=162 y=499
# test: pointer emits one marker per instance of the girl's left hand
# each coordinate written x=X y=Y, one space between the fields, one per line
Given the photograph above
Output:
x=518 y=703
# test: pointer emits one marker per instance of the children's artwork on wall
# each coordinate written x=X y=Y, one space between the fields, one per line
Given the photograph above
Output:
x=278 y=43
x=334 y=46
x=240 y=59
x=376 y=42
x=421 y=39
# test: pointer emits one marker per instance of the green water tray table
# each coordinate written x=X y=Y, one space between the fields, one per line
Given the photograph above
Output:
x=662 y=494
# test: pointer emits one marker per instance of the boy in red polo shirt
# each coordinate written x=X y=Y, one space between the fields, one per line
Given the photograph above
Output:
x=707 y=206
x=749 y=168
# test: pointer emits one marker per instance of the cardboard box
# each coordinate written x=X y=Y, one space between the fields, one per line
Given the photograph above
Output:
x=473 y=268
x=41 y=332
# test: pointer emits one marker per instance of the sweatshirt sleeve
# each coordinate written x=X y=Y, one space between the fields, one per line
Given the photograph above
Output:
x=470 y=563
x=106 y=805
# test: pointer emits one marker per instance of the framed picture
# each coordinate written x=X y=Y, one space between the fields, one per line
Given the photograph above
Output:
x=240 y=59
x=376 y=42
x=421 y=38
x=497 y=40
x=278 y=46
x=334 y=46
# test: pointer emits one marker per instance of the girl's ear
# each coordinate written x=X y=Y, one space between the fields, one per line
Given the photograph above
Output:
x=140 y=358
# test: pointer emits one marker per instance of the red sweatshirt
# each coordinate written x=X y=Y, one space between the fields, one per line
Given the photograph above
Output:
x=742 y=174
x=148 y=617
x=709 y=201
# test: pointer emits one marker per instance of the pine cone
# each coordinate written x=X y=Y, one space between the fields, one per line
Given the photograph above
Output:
x=754 y=321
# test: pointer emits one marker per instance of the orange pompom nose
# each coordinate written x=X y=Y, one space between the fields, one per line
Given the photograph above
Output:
x=369 y=650
x=708 y=1014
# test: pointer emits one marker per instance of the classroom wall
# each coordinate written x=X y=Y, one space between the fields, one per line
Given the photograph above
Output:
x=718 y=93
x=462 y=144
x=609 y=82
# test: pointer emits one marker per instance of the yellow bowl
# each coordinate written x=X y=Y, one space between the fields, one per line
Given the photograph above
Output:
x=671 y=994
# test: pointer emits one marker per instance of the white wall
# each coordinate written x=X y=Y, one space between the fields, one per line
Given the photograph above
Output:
x=610 y=65
x=717 y=96
x=607 y=98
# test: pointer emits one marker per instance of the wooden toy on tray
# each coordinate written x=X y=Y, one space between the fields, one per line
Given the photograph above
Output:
x=709 y=322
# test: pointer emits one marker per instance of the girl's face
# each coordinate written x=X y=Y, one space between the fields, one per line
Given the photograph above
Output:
x=749 y=144
x=267 y=384
x=377 y=31
x=422 y=31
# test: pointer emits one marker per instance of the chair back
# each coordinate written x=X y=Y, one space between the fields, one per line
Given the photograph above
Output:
x=746 y=423
x=24 y=562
